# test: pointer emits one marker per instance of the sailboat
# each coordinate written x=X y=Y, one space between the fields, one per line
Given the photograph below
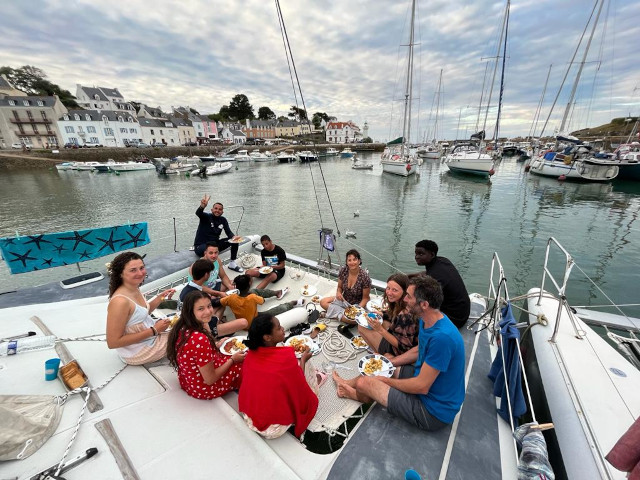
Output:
x=470 y=157
x=570 y=158
x=397 y=157
x=430 y=150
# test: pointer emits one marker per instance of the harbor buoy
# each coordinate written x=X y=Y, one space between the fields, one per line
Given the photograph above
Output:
x=491 y=172
x=562 y=178
x=408 y=167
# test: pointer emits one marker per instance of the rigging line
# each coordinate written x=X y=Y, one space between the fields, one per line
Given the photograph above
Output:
x=536 y=117
x=504 y=61
x=286 y=53
x=566 y=74
x=295 y=71
x=362 y=249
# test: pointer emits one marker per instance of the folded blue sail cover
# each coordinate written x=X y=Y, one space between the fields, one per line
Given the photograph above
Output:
x=37 y=252
x=510 y=335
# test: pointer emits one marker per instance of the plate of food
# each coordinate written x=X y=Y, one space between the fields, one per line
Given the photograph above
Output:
x=358 y=343
x=308 y=290
x=265 y=270
x=233 y=345
x=352 y=311
x=315 y=299
x=236 y=240
x=375 y=365
x=375 y=305
x=300 y=342
x=363 y=318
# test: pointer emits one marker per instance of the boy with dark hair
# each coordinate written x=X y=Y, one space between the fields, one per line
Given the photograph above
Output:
x=273 y=256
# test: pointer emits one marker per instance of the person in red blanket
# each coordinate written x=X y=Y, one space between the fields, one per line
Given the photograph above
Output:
x=203 y=372
x=277 y=391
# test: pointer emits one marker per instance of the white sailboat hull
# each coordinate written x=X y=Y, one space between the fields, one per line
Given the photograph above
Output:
x=578 y=170
x=472 y=163
x=398 y=167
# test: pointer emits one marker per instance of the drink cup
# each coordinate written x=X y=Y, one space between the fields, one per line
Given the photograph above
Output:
x=412 y=475
x=51 y=367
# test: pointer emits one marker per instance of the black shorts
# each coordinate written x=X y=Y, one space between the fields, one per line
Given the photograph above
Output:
x=385 y=347
x=279 y=275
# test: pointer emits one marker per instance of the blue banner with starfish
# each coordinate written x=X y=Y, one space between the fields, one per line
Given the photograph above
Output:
x=37 y=252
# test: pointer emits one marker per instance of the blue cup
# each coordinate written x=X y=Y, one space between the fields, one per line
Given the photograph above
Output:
x=412 y=475
x=51 y=367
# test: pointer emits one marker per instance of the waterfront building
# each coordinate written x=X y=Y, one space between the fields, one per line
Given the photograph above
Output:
x=186 y=132
x=259 y=129
x=157 y=130
x=145 y=111
x=102 y=98
x=288 y=128
x=232 y=136
x=210 y=129
x=343 y=132
x=99 y=127
x=28 y=119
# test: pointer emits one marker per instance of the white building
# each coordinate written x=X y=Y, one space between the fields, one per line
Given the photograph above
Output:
x=186 y=132
x=103 y=127
x=232 y=136
x=102 y=98
x=155 y=131
x=343 y=132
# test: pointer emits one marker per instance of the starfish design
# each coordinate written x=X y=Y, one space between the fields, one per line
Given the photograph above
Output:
x=22 y=258
x=84 y=254
x=37 y=239
x=47 y=261
x=108 y=242
x=8 y=241
x=59 y=248
x=77 y=238
x=134 y=239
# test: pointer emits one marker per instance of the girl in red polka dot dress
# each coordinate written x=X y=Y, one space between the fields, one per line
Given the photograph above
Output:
x=203 y=371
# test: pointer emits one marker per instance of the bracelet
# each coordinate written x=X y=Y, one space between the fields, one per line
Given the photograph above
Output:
x=155 y=332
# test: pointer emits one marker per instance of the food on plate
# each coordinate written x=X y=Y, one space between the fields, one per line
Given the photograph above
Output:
x=372 y=366
x=315 y=299
x=233 y=346
x=359 y=342
x=351 y=312
x=174 y=319
x=375 y=307
x=306 y=287
x=298 y=344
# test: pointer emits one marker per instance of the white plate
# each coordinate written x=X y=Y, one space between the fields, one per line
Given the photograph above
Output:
x=265 y=270
x=362 y=319
x=387 y=366
x=233 y=349
x=239 y=240
x=375 y=305
x=359 y=311
x=310 y=291
x=315 y=348
x=315 y=299
x=364 y=345
x=232 y=291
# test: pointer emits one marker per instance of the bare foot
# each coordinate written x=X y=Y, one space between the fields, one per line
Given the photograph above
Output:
x=345 y=391
x=337 y=378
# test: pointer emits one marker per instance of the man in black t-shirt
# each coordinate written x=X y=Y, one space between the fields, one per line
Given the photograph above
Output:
x=272 y=256
x=456 y=304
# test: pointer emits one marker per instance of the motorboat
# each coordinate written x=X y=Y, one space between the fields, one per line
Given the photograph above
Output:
x=332 y=152
x=258 y=156
x=130 y=166
x=218 y=168
x=242 y=156
x=429 y=151
x=468 y=158
x=362 y=166
x=346 y=153
x=288 y=156
x=209 y=158
x=64 y=166
x=87 y=166
x=307 y=156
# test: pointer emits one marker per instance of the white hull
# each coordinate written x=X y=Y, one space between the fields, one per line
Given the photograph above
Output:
x=578 y=170
x=429 y=155
x=396 y=167
x=130 y=167
x=217 y=168
x=470 y=162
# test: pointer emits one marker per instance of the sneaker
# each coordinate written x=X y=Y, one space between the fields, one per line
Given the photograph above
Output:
x=300 y=302
x=284 y=291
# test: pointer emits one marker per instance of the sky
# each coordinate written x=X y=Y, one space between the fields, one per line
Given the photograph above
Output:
x=351 y=57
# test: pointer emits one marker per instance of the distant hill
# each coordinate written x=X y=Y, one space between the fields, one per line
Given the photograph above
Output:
x=618 y=127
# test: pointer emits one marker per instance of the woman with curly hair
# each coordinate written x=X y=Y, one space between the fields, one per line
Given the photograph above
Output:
x=203 y=372
x=398 y=332
x=131 y=330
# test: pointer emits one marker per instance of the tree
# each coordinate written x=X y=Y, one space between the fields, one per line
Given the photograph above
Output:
x=317 y=119
x=367 y=140
x=239 y=108
x=33 y=81
x=224 y=113
x=297 y=113
x=265 y=113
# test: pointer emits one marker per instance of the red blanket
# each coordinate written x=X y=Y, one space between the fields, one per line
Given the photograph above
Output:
x=274 y=390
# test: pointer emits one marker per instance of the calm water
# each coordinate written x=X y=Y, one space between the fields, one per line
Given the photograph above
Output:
x=514 y=215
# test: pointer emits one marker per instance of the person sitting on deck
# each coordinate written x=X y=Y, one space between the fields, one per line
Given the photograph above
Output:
x=399 y=330
x=137 y=337
x=430 y=393
x=273 y=256
x=277 y=390
x=203 y=371
x=211 y=227
x=219 y=282
x=354 y=288
x=201 y=271
x=244 y=304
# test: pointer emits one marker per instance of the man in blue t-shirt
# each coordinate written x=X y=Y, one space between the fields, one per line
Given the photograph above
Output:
x=429 y=393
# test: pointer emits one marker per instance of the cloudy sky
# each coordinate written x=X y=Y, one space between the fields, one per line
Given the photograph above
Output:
x=348 y=55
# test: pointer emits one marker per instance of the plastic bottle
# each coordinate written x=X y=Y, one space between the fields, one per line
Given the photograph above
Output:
x=27 y=344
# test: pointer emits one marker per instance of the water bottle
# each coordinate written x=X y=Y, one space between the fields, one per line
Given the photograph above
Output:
x=27 y=344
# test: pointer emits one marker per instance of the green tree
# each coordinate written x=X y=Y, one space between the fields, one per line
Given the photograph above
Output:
x=367 y=140
x=318 y=117
x=224 y=113
x=297 y=113
x=33 y=81
x=265 y=113
x=238 y=109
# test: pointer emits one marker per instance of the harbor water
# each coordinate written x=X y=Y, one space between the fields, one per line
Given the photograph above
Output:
x=470 y=218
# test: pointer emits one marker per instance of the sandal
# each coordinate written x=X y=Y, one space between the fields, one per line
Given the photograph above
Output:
x=322 y=378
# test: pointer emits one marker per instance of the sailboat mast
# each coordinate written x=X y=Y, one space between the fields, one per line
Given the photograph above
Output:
x=406 y=125
x=435 y=126
x=536 y=117
x=577 y=80
x=504 y=61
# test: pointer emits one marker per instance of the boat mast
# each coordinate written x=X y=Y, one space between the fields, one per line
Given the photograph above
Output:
x=584 y=58
x=435 y=125
x=504 y=60
x=536 y=117
x=406 y=124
